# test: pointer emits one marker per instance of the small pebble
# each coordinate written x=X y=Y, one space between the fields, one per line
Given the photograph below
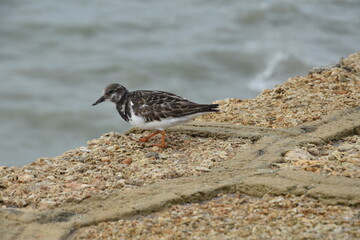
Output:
x=298 y=154
x=84 y=149
x=345 y=147
x=155 y=155
x=314 y=151
x=69 y=178
x=202 y=169
x=106 y=159
x=26 y=178
x=127 y=161
x=50 y=178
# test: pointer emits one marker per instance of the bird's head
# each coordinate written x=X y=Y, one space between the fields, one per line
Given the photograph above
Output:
x=113 y=93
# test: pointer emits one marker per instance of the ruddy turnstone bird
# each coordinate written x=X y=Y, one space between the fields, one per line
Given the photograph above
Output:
x=153 y=109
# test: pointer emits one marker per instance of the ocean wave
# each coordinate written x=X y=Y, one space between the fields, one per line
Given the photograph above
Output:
x=280 y=65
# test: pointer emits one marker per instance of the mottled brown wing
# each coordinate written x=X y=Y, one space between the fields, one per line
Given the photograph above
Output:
x=157 y=105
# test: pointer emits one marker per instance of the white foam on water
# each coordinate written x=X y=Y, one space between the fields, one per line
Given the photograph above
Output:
x=265 y=78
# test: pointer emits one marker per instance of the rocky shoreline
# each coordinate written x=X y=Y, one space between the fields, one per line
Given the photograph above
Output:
x=304 y=134
x=111 y=163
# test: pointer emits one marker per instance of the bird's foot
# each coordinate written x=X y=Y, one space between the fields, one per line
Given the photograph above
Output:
x=147 y=138
x=162 y=145
x=144 y=139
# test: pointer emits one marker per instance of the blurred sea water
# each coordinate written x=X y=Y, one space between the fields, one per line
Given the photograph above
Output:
x=57 y=56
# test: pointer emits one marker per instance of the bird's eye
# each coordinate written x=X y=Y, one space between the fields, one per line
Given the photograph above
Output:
x=111 y=92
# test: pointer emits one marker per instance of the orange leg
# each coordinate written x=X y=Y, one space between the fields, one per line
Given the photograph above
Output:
x=146 y=138
x=162 y=145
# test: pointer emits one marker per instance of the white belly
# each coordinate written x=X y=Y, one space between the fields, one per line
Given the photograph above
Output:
x=140 y=122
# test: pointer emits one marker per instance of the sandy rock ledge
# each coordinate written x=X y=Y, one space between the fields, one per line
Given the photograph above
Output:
x=284 y=165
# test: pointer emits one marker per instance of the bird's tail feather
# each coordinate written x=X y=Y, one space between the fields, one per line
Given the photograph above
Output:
x=210 y=108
